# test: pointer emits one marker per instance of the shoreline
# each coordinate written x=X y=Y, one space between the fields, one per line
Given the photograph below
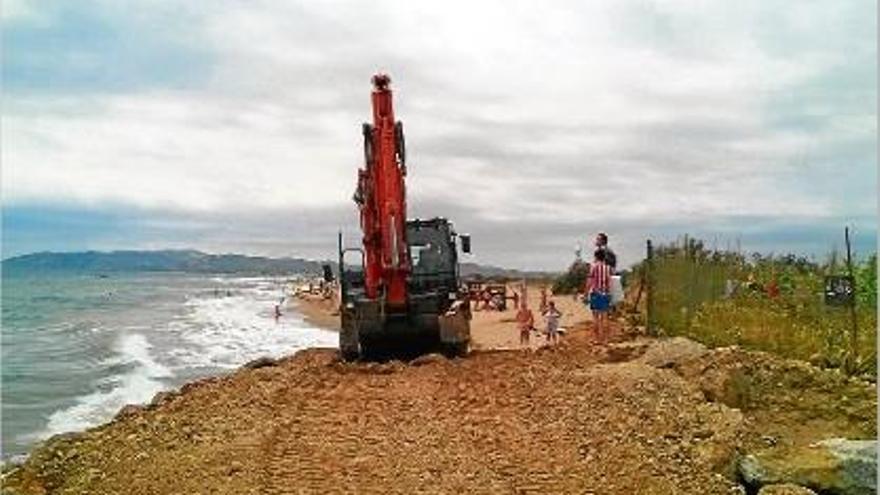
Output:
x=314 y=311
x=491 y=331
x=317 y=311
x=273 y=424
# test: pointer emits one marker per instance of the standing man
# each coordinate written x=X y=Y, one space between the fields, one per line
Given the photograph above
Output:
x=611 y=262
x=598 y=289
x=610 y=257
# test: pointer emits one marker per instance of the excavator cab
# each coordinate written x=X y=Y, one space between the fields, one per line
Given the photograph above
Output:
x=437 y=316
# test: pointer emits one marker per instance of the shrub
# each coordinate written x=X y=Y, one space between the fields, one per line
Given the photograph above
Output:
x=573 y=280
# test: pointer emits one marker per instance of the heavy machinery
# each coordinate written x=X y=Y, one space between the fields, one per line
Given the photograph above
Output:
x=404 y=296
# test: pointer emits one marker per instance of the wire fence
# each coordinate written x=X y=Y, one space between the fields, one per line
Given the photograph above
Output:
x=769 y=303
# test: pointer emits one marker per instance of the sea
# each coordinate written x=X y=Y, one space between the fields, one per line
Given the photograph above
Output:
x=77 y=347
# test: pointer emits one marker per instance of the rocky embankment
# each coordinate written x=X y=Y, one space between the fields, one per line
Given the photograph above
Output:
x=645 y=417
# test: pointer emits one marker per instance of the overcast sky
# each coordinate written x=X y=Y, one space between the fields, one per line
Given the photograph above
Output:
x=235 y=126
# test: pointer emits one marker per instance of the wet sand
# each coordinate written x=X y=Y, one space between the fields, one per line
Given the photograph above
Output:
x=317 y=311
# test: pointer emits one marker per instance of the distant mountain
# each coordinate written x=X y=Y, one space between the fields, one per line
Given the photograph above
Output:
x=199 y=262
x=159 y=261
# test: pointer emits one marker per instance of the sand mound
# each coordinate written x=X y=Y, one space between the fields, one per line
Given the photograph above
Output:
x=553 y=421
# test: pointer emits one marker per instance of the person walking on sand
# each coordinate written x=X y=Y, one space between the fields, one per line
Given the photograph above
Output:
x=525 y=320
x=599 y=292
x=552 y=315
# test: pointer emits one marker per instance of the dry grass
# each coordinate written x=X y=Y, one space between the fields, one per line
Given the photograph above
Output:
x=692 y=298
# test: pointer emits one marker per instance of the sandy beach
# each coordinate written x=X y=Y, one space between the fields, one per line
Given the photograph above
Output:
x=497 y=330
x=316 y=310
x=490 y=330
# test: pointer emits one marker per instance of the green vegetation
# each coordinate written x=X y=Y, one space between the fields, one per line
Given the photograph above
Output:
x=573 y=280
x=770 y=303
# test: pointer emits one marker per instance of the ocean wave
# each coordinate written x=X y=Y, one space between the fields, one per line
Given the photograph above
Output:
x=143 y=379
x=227 y=332
x=164 y=338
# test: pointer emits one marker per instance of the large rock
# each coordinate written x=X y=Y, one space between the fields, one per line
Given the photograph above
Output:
x=719 y=439
x=667 y=353
x=839 y=466
x=724 y=375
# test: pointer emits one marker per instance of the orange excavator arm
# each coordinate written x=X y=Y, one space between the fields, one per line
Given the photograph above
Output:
x=381 y=198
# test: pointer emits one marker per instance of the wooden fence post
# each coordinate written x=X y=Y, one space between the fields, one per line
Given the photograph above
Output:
x=649 y=295
x=852 y=366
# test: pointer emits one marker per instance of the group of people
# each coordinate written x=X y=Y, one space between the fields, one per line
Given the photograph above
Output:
x=488 y=301
x=596 y=296
x=526 y=321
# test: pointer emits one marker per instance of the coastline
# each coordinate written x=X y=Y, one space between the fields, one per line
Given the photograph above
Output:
x=311 y=422
x=491 y=331
x=104 y=341
x=314 y=311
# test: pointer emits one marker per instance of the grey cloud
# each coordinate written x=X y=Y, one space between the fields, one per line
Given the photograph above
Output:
x=643 y=117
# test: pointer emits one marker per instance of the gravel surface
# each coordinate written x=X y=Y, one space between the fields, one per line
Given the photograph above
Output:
x=560 y=420
x=514 y=422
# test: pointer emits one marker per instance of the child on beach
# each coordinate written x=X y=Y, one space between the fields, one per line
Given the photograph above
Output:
x=526 y=321
x=552 y=315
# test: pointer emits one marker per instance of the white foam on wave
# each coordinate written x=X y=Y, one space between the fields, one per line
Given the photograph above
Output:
x=216 y=331
x=227 y=332
x=137 y=385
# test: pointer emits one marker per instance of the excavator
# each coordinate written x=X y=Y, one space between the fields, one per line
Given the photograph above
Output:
x=403 y=297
